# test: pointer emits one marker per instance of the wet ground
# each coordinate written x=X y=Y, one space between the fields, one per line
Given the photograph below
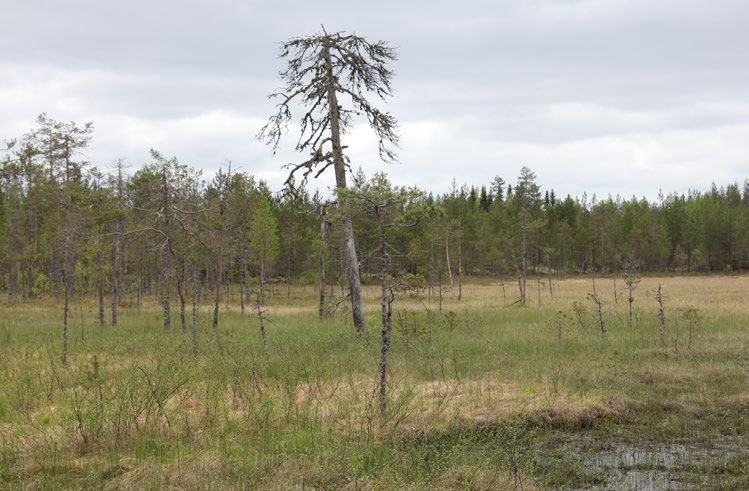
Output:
x=611 y=461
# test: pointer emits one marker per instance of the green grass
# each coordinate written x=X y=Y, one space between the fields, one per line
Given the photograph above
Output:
x=481 y=396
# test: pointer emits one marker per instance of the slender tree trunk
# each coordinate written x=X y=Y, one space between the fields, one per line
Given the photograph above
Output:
x=100 y=287
x=262 y=276
x=138 y=296
x=549 y=273
x=460 y=269
x=432 y=266
x=219 y=259
x=180 y=277
x=661 y=315
x=449 y=269
x=260 y=301
x=11 y=252
x=289 y=256
x=504 y=293
x=166 y=287
x=195 y=303
x=355 y=288
x=386 y=313
x=524 y=259
x=243 y=283
x=12 y=283
x=439 y=280
x=116 y=277
x=68 y=278
x=119 y=230
x=165 y=271
x=599 y=305
x=339 y=165
x=323 y=229
x=519 y=275
x=65 y=315
x=217 y=297
x=100 y=266
x=241 y=293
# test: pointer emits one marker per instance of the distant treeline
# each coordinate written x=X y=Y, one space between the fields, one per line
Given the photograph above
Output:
x=65 y=223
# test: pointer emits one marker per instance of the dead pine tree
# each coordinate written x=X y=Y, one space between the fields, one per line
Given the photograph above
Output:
x=449 y=268
x=260 y=309
x=547 y=252
x=660 y=298
x=616 y=266
x=599 y=308
x=323 y=72
x=694 y=318
x=631 y=279
x=504 y=292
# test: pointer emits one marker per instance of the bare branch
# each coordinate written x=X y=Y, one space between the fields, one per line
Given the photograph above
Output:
x=325 y=64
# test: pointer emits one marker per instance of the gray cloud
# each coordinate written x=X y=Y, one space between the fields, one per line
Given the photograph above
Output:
x=604 y=96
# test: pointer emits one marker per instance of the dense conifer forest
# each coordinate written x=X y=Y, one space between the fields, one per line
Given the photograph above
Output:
x=167 y=229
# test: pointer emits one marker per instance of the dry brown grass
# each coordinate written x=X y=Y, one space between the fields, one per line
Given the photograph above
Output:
x=727 y=293
x=559 y=390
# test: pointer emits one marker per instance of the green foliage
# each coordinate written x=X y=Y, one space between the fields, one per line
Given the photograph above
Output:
x=52 y=199
x=263 y=240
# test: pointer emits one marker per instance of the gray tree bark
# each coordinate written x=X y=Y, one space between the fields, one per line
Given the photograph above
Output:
x=339 y=166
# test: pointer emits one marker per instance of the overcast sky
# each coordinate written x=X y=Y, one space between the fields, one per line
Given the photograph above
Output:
x=620 y=97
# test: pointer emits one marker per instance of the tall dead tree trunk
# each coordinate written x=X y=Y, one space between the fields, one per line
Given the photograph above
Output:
x=449 y=269
x=339 y=167
x=631 y=279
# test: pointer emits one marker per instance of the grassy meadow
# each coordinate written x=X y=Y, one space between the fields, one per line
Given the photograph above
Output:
x=481 y=395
